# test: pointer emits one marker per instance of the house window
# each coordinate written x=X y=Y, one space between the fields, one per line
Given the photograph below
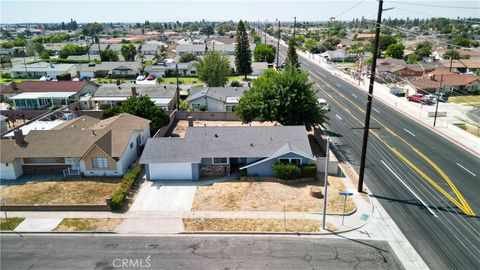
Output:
x=220 y=160
x=100 y=162
x=296 y=161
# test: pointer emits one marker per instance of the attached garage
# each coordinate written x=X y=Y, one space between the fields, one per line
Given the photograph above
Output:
x=170 y=171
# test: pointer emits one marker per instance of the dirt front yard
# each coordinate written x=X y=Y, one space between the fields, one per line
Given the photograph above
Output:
x=252 y=195
x=72 y=191
x=181 y=126
x=251 y=225
x=88 y=224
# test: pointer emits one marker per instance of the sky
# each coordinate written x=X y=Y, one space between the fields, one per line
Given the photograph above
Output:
x=23 y=11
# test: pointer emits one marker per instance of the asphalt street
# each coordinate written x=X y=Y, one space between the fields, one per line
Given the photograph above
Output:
x=192 y=252
x=443 y=176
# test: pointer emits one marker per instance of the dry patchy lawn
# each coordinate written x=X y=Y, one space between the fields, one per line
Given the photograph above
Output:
x=251 y=225
x=10 y=223
x=268 y=196
x=88 y=224
x=61 y=192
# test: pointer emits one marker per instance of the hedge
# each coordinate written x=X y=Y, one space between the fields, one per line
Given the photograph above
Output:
x=118 y=198
x=309 y=171
x=64 y=77
x=286 y=171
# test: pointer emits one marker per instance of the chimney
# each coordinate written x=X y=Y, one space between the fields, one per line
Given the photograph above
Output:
x=19 y=138
x=190 y=121
x=134 y=91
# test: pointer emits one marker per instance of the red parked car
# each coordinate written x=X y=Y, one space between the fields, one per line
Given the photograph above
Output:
x=419 y=98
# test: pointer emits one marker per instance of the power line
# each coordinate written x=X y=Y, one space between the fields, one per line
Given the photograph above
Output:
x=435 y=16
x=430 y=5
x=350 y=8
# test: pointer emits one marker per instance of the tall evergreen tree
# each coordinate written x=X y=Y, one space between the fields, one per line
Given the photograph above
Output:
x=243 y=54
x=292 y=57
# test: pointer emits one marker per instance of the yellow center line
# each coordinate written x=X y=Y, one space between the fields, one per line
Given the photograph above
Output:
x=463 y=205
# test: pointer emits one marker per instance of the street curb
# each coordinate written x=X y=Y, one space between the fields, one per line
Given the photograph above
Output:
x=55 y=232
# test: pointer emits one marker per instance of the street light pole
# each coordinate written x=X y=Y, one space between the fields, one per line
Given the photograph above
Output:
x=325 y=184
x=370 y=98
x=438 y=97
x=278 y=42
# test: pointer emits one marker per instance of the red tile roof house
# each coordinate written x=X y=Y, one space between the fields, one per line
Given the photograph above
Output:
x=85 y=146
x=43 y=94
x=462 y=84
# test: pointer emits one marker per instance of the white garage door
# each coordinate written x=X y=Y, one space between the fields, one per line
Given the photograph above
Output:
x=173 y=171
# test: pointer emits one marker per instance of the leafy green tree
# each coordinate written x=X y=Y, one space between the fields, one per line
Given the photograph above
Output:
x=141 y=106
x=92 y=29
x=72 y=49
x=395 y=51
x=7 y=45
x=243 y=54
x=264 y=52
x=287 y=97
x=193 y=27
x=44 y=55
x=461 y=41
x=412 y=59
x=20 y=42
x=384 y=42
x=187 y=58
x=109 y=55
x=309 y=44
x=449 y=53
x=292 y=57
x=256 y=38
x=213 y=69
x=128 y=51
x=423 y=49
x=207 y=30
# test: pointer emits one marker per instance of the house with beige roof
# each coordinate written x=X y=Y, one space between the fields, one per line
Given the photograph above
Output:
x=83 y=146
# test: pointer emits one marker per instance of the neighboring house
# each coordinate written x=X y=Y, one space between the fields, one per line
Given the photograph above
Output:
x=463 y=65
x=451 y=83
x=84 y=57
x=112 y=69
x=220 y=151
x=202 y=49
x=83 y=146
x=44 y=94
x=168 y=69
x=215 y=99
x=339 y=56
x=259 y=67
x=95 y=50
x=150 y=49
x=108 y=95
x=40 y=69
x=55 y=48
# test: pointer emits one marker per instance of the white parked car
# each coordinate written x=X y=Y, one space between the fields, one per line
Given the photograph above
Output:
x=323 y=104
x=140 y=78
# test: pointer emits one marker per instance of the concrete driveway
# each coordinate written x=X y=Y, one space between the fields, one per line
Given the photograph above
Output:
x=165 y=196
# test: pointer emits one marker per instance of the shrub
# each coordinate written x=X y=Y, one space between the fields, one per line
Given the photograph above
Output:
x=235 y=84
x=118 y=198
x=55 y=107
x=203 y=108
x=64 y=77
x=198 y=85
x=309 y=171
x=6 y=75
x=286 y=171
x=159 y=80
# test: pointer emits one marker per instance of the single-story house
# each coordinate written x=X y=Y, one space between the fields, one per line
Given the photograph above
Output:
x=94 y=49
x=82 y=146
x=339 y=56
x=463 y=65
x=460 y=84
x=150 y=49
x=43 y=94
x=220 y=151
x=40 y=69
x=108 y=95
x=202 y=49
x=84 y=57
x=259 y=67
x=215 y=99
x=113 y=69
x=168 y=69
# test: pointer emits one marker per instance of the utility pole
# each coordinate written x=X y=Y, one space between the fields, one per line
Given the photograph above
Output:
x=178 y=89
x=370 y=98
x=361 y=69
x=325 y=184
x=294 y=24
x=438 y=97
x=265 y=33
x=278 y=42
x=451 y=58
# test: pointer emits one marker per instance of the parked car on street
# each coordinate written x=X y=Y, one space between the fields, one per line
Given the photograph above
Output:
x=151 y=77
x=419 y=98
x=140 y=78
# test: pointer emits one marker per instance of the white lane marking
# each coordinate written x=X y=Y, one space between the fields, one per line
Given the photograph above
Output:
x=409 y=189
x=409 y=132
x=338 y=85
x=322 y=75
x=338 y=116
x=354 y=95
x=376 y=110
x=466 y=170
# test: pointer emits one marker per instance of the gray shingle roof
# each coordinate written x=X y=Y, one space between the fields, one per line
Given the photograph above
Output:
x=219 y=93
x=125 y=90
x=241 y=141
